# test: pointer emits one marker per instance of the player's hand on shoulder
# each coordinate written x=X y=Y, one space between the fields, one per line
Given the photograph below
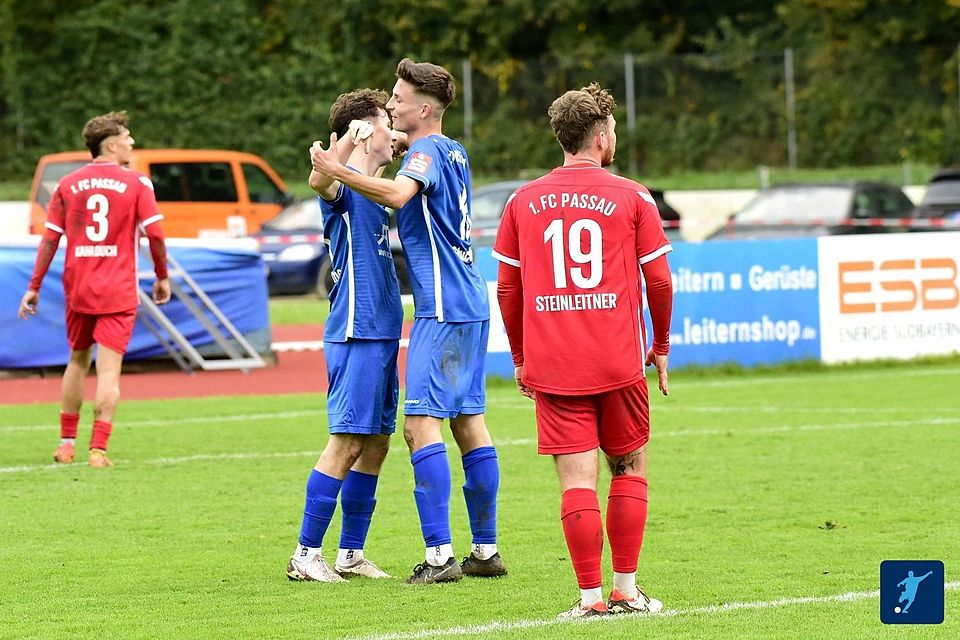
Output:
x=28 y=304
x=399 y=143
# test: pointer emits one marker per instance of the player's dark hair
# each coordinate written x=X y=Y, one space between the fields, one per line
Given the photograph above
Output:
x=429 y=79
x=102 y=127
x=576 y=114
x=356 y=105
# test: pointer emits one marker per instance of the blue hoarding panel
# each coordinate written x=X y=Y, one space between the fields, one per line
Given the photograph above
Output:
x=231 y=276
x=747 y=302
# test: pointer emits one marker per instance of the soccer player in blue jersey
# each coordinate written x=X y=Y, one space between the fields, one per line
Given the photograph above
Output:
x=361 y=341
x=448 y=343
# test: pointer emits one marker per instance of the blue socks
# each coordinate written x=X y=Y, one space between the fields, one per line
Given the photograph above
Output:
x=321 y=502
x=357 y=503
x=482 y=479
x=431 y=475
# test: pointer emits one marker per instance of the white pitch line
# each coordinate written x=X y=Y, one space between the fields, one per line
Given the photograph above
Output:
x=495 y=627
x=680 y=408
x=679 y=380
x=165 y=422
x=506 y=404
x=313 y=345
x=511 y=442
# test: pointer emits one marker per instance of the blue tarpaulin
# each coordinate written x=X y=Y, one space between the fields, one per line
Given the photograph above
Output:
x=230 y=272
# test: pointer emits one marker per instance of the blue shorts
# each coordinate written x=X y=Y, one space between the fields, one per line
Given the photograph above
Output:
x=445 y=368
x=363 y=386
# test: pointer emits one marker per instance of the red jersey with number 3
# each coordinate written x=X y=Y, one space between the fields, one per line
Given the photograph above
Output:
x=579 y=235
x=100 y=208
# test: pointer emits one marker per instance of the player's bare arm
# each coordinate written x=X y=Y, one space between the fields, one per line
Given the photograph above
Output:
x=359 y=133
x=161 y=291
x=28 y=304
x=660 y=362
x=390 y=193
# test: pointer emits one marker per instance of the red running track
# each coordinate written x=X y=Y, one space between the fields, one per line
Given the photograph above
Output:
x=302 y=371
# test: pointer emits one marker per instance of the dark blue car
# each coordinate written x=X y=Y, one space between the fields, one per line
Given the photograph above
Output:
x=293 y=250
x=296 y=258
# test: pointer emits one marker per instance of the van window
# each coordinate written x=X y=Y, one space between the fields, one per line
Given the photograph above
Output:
x=259 y=185
x=193 y=181
x=52 y=173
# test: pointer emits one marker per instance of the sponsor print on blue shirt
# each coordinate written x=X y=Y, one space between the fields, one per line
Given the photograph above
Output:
x=434 y=229
x=365 y=298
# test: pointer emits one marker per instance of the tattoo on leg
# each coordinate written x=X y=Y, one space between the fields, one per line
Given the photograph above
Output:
x=630 y=462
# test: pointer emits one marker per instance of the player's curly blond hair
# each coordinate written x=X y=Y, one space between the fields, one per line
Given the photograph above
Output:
x=576 y=114
x=100 y=128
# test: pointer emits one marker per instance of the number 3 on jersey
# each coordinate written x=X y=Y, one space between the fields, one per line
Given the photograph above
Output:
x=99 y=206
x=593 y=256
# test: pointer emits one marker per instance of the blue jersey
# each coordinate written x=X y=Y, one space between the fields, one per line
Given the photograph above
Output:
x=434 y=228
x=365 y=298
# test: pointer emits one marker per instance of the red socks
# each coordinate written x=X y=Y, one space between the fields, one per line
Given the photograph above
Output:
x=580 y=516
x=626 y=518
x=101 y=433
x=68 y=424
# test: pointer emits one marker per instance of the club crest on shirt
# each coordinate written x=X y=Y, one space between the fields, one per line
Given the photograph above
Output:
x=419 y=163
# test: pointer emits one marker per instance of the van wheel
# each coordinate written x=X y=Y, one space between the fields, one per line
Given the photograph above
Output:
x=403 y=276
x=325 y=278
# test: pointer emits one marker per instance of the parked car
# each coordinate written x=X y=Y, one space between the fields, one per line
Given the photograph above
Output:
x=490 y=199
x=942 y=198
x=814 y=209
x=296 y=257
x=297 y=260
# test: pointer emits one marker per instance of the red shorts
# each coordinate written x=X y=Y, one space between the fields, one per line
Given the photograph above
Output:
x=110 y=330
x=617 y=421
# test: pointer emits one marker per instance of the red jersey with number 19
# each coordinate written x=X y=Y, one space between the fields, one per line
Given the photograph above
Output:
x=579 y=235
x=100 y=208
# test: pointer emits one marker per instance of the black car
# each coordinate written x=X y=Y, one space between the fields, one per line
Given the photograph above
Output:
x=815 y=209
x=489 y=201
x=942 y=198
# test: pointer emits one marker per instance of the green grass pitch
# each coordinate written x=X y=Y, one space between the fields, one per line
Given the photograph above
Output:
x=777 y=494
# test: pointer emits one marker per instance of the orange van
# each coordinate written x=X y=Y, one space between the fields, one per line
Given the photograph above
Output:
x=201 y=193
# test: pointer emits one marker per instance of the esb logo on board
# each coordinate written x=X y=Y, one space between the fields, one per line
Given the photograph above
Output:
x=888 y=286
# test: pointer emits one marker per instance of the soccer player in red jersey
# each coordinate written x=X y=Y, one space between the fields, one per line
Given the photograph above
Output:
x=572 y=246
x=101 y=208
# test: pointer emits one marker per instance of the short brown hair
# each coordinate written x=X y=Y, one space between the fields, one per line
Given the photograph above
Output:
x=575 y=115
x=429 y=79
x=356 y=105
x=102 y=127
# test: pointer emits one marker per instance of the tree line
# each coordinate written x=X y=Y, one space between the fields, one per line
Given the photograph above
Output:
x=876 y=81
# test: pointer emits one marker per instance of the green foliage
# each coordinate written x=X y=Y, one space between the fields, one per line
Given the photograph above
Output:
x=188 y=536
x=876 y=82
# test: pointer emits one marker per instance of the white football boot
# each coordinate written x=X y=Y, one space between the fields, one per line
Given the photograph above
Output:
x=618 y=603
x=363 y=568
x=311 y=568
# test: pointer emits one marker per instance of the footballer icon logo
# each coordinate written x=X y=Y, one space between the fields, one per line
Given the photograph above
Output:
x=911 y=591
